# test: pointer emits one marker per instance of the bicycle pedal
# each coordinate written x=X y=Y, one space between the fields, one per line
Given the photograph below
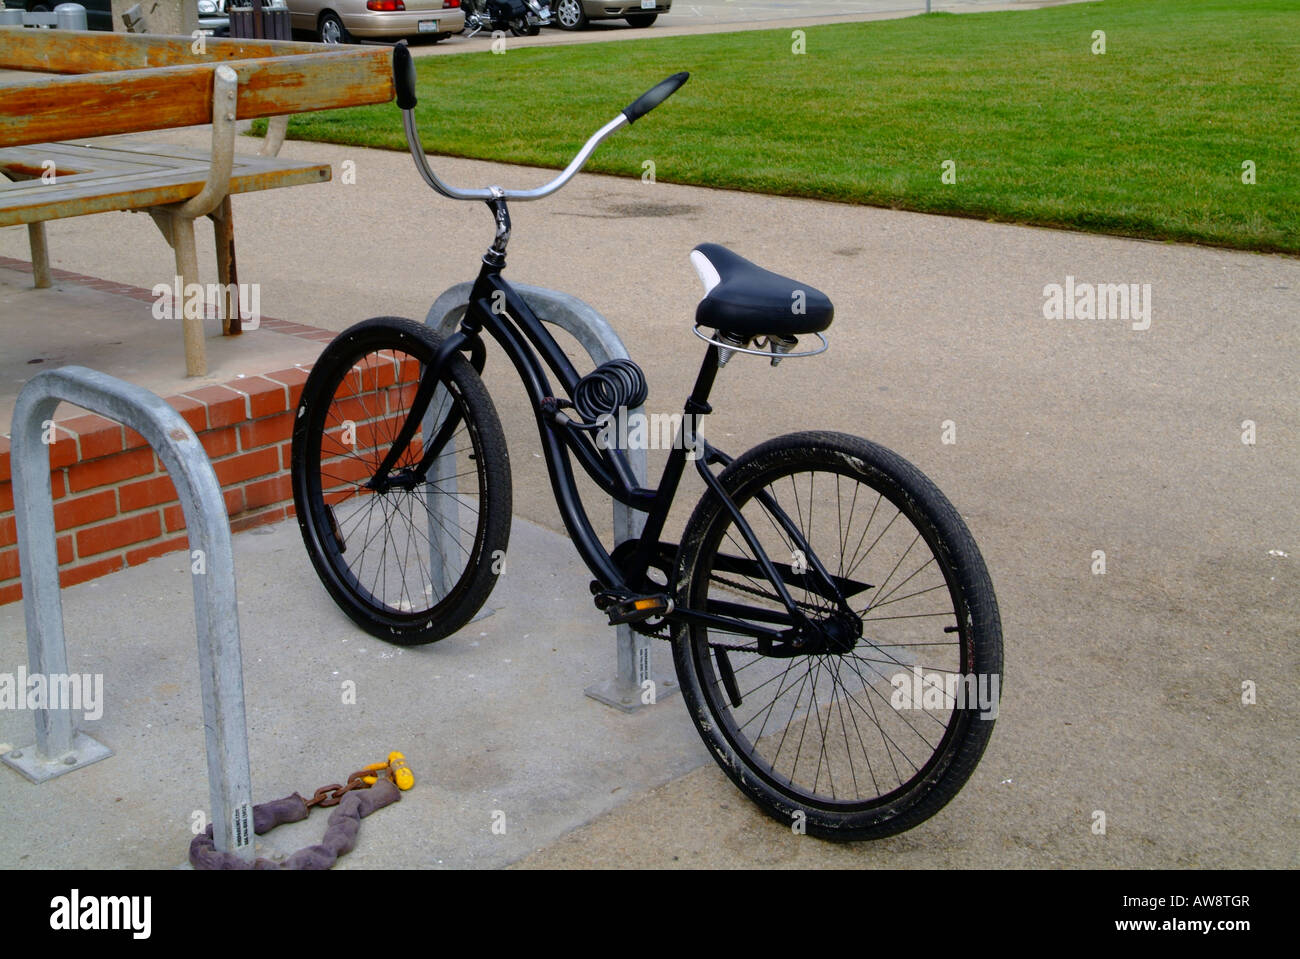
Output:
x=636 y=609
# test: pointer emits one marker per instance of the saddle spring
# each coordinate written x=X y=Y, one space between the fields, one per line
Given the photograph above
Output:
x=729 y=344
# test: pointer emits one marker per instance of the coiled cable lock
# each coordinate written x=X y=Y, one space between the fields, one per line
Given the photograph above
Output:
x=618 y=383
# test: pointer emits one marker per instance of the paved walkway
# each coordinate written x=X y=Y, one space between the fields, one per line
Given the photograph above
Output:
x=1123 y=691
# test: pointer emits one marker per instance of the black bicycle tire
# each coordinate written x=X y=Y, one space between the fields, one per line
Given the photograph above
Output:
x=492 y=531
x=969 y=584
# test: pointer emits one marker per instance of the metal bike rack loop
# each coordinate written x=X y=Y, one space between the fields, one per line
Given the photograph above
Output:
x=626 y=691
x=60 y=747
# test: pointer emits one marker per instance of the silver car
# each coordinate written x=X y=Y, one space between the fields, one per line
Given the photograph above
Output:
x=576 y=14
x=213 y=18
x=347 y=21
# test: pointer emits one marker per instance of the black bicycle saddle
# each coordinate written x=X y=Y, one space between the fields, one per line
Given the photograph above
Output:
x=747 y=300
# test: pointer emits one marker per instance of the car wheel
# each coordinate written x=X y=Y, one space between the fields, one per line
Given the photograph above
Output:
x=331 y=29
x=642 y=19
x=35 y=8
x=570 y=15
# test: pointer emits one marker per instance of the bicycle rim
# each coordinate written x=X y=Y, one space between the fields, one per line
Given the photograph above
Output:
x=402 y=556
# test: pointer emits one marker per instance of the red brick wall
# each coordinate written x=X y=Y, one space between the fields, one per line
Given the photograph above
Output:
x=114 y=504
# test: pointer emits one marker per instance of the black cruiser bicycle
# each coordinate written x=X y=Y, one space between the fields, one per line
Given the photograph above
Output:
x=830 y=615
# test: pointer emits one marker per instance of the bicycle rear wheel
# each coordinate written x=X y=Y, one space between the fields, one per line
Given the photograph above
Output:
x=875 y=731
x=410 y=560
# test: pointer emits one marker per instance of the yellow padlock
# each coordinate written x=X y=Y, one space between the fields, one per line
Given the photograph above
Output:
x=400 y=772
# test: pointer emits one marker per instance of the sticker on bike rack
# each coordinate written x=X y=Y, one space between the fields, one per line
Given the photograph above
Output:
x=241 y=826
x=643 y=666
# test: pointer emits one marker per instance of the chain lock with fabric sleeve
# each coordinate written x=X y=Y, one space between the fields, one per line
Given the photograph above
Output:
x=367 y=790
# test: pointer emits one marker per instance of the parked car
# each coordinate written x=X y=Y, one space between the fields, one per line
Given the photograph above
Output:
x=213 y=18
x=576 y=14
x=345 y=21
x=99 y=13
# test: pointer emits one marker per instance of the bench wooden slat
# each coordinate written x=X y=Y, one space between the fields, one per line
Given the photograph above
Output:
x=35 y=191
x=166 y=174
x=130 y=150
x=73 y=160
x=125 y=155
x=93 y=51
x=118 y=157
x=129 y=101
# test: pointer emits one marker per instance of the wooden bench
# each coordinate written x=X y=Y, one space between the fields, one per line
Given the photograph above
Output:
x=124 y=83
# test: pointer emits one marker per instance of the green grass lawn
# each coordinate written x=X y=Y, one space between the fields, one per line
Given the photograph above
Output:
x=1147 y=139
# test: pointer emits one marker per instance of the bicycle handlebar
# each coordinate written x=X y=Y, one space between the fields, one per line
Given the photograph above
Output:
x=656 y=95
x=404 y=76
x=404 y=83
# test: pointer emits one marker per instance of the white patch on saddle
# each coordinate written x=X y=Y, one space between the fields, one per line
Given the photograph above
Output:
x=708 y=274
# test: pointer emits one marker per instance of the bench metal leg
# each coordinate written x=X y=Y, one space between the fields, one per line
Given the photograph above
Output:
x=187 y=268
x=40 y=254
x=276 y=127
x=223 y=229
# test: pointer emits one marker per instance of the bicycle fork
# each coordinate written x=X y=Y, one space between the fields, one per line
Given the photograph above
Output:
x=410 y=477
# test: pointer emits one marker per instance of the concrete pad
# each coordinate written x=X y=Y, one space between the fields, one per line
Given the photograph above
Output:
x=1123 y=691
x=73 y=324
x=492 y=720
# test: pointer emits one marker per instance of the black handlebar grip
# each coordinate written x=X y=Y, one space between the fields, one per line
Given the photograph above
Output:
x=654 y=96
x=404 y=76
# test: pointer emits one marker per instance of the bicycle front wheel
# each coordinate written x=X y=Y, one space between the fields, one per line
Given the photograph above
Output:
x=879 y=725
x=410 y=559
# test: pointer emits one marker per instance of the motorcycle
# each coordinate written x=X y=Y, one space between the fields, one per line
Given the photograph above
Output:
x=520 y=17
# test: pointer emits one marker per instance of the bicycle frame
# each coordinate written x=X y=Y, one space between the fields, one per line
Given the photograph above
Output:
x=496 y=307
x=808 y=671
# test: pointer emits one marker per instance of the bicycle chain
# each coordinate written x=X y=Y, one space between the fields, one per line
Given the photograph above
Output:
x=657 y=631
x=758 y=592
